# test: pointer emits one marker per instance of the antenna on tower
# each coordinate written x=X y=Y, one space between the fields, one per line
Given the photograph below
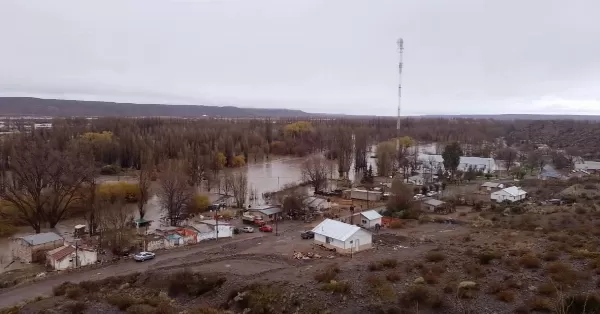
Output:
x=400 y=43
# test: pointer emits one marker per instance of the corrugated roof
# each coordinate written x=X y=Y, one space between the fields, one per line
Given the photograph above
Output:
x=174 y=236
x=491 y=184
x=270 y=211
x=514 y=191
x=213 y=222
x=41 y=238
x=61 y=252
x=335 y=229
x=371 y=214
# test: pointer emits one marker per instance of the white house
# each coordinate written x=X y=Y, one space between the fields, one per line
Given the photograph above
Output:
x=492 y=186
x=342 y=237
x=365 y=195
x=207 y=229
x=68 y=256
x=367 y=219
x=477 y=163
x=511 y=194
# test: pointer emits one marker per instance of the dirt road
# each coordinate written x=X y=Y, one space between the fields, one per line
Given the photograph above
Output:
x=13 y=296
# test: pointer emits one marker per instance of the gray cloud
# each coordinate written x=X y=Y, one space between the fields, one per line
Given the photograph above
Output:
x=337 y=56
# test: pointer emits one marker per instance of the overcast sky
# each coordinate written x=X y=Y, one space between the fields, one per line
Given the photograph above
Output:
x=334 y=56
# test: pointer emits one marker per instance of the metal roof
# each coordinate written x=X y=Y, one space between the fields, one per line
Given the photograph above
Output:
x=41 y=238
x=491 y=184
x=335 y=229
x=514 y=191
x=371 y=214
x=268 y=211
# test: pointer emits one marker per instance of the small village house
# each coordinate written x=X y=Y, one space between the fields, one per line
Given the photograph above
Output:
x=153 y=242
x=266 y=213
x=365 y=195
x=511 y=194
x=432 y=205
x=367 y=219
x=588 y=166
x=316 y=203
x=207 y=229
x=492 y=186
x=173 y=240
x=342 y=237
x=69 y=256
x=33 y=248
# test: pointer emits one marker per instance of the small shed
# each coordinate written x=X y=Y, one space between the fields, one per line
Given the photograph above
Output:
x=492 y=186
x=207 y=229
x=33 y=248
x=370 y=219
x=432 y=205
x=342 y=237
x=153 y=242
x=173 y=240
x=316 y=203
x=69 y=256
x=365 y=195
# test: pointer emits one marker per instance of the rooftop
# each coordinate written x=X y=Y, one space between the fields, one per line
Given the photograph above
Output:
x=491 y=184
x=268 y=211
x=335 y=229
x=371 y=214
x=41 y=238
x=433 y=202
x=61 y=252
x=515 y=191
x=213 y=222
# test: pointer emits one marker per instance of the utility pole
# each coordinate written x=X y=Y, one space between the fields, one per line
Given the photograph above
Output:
x=217 y=225
x=276 y=223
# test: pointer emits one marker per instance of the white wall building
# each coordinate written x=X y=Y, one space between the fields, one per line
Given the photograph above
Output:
x=68 y=256
x=365 y=195
x=342 y=237
x=511 y=194
x=477 y=163
x=207 y=229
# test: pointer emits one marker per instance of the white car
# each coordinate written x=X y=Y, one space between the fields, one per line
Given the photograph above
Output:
x=143 y=256
x=248 y=229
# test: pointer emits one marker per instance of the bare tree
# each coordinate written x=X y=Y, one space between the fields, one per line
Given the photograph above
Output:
x=508 y=156
x=144 y=178
x=238 y=182
x=43 y=184
x=314 y=172
x=385 y=158
x=115 y=221
x=175 y=192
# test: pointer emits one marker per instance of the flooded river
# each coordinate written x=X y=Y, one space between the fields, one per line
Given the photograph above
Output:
x=268 y=176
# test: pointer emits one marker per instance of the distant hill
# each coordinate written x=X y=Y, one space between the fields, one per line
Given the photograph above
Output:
x=520 y=117
x=28 y=106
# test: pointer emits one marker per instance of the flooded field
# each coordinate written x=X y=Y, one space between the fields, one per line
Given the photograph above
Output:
x=268 y=176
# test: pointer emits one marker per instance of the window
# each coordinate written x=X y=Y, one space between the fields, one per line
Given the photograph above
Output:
x=364 y=222
x=328 y=240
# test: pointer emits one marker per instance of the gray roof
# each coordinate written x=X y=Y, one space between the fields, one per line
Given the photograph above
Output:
x=268 y=211
x=433 y=202
x=41 y=238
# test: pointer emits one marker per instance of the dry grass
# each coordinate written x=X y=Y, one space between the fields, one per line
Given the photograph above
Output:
x=530 y=261
x=419 y=295
x=381 y=289
x=562 y=274
x=547 y=289
x=487 y=257
x=539 y=304
x=328 y=274
x=507 y=296
x=336 y=287
x=434 y=256
x=382 y=264
x=393 y=277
